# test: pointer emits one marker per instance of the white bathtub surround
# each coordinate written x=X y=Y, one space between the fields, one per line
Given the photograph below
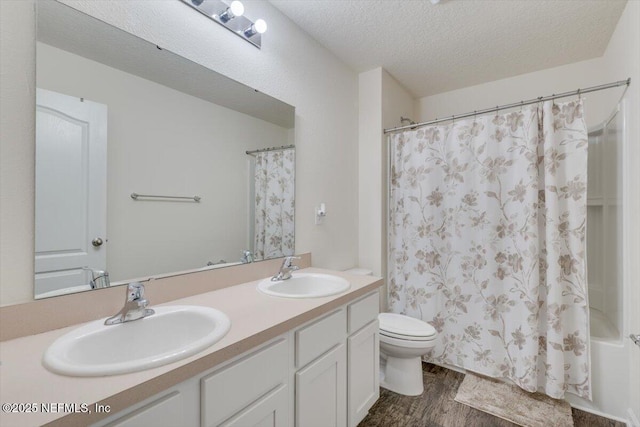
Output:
x=274 y=181
x=487 y=226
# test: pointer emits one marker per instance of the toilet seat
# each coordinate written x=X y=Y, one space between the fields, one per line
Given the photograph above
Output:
x=402 y=327
x=406 y=337
x=421 y=344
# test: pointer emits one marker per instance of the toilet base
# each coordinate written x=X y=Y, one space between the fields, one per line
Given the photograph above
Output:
x=402 y=375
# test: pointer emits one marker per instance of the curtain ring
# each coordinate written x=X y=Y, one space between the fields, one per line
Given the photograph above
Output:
x=474 y=116
x=453 y=119
x=521 y=105
x=579 y=94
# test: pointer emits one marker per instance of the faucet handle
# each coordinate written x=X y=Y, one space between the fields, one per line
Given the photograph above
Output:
x=135 y=291
x=99 y=278
x=247 y=256
x=288 y=261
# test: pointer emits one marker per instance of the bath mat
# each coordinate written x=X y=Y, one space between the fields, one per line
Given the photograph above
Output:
x=511 y=403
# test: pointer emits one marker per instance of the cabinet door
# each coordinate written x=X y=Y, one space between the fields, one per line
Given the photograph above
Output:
x=363 y=367
x=232 y=389
x=269 y=411
x=321 y=391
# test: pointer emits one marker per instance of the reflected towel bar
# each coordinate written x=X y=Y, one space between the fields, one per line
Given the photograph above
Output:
x=136 y=196
x=262 y=150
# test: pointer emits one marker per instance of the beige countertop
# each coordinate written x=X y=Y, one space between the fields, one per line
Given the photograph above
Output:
x=255 y=319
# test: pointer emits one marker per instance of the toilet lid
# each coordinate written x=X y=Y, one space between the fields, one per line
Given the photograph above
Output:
x=398 y=325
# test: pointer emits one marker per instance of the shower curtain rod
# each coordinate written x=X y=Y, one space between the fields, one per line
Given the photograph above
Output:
x=515 y=104
x=262 y=150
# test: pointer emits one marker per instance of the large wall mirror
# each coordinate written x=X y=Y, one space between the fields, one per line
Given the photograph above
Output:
x=148 y=164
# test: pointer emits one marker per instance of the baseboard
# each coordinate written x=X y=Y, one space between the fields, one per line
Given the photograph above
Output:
x=633 y=419
x=600 y=413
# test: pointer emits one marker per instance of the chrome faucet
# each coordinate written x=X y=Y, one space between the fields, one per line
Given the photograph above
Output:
x=247 y=257
x=99 y=278
x=286 y=269
x=135 y=306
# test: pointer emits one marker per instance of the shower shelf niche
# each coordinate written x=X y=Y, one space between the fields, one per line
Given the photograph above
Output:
x=604 y=229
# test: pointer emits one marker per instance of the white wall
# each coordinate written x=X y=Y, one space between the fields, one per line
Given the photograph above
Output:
x=369 y=170
x=161 y=141
x=290 y=66
x=382 y=102
x=528 y=86
x=17 y=150
x=615 y=369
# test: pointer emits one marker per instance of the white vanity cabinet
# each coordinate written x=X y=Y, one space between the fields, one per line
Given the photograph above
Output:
x=177 y=406
x=363 y=360
x=321 y=390
x=337 y=357
x=250 y=388
x=323 y=373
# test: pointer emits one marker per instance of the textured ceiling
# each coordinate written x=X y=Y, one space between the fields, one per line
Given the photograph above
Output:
x=431 y=49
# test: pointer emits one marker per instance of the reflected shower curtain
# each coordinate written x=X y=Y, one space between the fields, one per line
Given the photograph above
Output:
x=274 y=204
x=487 y=243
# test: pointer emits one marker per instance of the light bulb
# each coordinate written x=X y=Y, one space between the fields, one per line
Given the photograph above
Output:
x=260 y=26
x=237 y=8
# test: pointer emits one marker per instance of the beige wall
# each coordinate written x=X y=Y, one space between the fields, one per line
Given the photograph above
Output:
x=290 y=66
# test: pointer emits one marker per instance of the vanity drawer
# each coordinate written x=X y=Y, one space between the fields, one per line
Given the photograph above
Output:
x=226 y=392
x=167 y=411
x=363 y=311
x=318 y=337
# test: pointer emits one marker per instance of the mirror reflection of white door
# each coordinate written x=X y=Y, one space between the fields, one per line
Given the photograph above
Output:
x=71 y=190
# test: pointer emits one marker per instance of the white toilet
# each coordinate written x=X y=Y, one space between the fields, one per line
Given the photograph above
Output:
x=403 y=342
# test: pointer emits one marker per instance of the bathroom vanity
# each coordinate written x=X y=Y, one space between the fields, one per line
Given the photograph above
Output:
x=284 y=362
x=324 y=373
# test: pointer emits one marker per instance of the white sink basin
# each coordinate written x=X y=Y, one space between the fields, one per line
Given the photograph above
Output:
x=172 y=333
x=305 y=285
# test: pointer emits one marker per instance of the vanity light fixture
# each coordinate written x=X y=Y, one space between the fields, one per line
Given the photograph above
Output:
x=231 y=16
x=259 y=27
x=235 y=9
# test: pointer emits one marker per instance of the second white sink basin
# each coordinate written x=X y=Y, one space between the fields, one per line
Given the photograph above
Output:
x=305 y=285
x=171 y=334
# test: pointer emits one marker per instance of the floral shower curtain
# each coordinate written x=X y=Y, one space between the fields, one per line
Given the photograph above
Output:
x=274 y=180
x=487 y=243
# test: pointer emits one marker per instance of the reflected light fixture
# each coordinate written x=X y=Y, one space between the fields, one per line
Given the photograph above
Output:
x=235 y=9
x=258 y=27
x=231 y=16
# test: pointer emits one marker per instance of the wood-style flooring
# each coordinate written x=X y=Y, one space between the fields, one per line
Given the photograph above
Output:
x=436 y=407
